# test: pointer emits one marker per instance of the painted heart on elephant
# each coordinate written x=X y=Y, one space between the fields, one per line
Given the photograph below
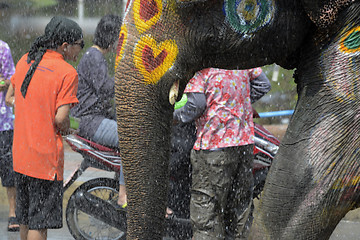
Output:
x=152 y=59
x=314 y=180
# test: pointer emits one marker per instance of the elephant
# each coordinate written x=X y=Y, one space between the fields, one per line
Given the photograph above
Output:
x=314 y=180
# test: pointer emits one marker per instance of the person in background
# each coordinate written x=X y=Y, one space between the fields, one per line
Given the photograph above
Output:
x=96 y=109
x=7 y=173
x=222 y=156
x=43 y=88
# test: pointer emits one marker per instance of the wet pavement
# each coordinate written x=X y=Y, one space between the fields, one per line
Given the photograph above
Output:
x=346 y=230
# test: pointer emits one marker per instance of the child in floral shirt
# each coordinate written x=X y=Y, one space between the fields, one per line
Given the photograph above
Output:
x=222 y=156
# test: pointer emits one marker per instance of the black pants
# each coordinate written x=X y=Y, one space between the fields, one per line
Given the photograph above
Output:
x=39 y=202
x=182 y=141
x=7 y=173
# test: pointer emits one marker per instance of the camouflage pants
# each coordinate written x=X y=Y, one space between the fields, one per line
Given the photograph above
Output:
x=221 y=194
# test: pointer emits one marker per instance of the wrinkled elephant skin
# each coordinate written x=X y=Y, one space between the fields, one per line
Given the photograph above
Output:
x=314 y=180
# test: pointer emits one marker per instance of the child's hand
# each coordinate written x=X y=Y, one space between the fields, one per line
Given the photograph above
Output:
x=69 y=131
x=3 y=84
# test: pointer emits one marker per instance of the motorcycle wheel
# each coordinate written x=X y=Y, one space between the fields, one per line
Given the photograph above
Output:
x=85 y=227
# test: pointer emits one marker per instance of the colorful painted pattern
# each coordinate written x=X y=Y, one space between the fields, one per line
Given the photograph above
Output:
x=121 y=43
x=321 y=144
x=351 y=181
x=350 y=43
x=344 y=61
x=346 y=89
x=154 y=59
x=146 y=13
x=247 y=16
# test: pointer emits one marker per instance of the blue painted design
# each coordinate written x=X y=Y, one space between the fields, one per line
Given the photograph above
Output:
x=247 y=16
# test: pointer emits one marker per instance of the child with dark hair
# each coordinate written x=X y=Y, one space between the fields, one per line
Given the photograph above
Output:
x=107 y=31
x=96 y=91
x=44 y=88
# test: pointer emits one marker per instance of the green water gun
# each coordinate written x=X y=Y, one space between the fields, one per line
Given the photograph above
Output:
x=74 y=122
x=181 y=103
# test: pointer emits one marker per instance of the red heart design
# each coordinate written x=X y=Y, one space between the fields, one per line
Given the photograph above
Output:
x=150 y=62
x=156 y=57
x=148 y=9
x=120 y=43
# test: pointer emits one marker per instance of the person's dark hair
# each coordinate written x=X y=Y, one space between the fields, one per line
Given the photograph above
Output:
x=107 y=31
x=57 y=31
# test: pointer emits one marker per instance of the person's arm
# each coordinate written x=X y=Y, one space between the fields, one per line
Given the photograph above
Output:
x=62 y=120
x=10 y=96
x=259 y=87
x=193 y=108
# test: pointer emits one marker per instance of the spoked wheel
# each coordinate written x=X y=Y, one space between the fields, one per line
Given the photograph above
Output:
x=85 y=226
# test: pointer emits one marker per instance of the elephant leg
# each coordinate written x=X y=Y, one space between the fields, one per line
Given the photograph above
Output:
x=313 y=181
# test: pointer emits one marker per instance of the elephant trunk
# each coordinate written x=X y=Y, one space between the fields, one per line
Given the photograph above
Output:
x=313 y=181
x=308 y=194
x=144 y=130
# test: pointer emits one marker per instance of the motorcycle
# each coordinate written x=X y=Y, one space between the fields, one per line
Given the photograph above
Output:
x=98 y=195
x=92 y=211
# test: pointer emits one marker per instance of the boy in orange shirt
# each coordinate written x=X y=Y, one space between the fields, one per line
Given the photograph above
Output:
x=44 y=88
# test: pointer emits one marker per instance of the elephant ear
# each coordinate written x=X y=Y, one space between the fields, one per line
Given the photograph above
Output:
x=324 y=12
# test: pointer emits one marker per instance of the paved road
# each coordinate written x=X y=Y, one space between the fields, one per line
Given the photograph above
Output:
x=346 y=230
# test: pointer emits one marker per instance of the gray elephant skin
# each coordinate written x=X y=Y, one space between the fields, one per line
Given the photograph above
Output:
x=314 y=180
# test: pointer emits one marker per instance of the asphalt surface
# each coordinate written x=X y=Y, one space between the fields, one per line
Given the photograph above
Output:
x=346 y=230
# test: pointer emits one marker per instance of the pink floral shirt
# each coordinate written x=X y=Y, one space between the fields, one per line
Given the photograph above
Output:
x=227 y=121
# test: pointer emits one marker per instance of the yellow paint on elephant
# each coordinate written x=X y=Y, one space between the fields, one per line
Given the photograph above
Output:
x=341 y=183
x=146 y=13
x=153 y=60
x=121 y=45
x=350 y=43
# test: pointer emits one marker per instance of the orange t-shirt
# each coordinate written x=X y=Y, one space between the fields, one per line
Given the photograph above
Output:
x=38 y=148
